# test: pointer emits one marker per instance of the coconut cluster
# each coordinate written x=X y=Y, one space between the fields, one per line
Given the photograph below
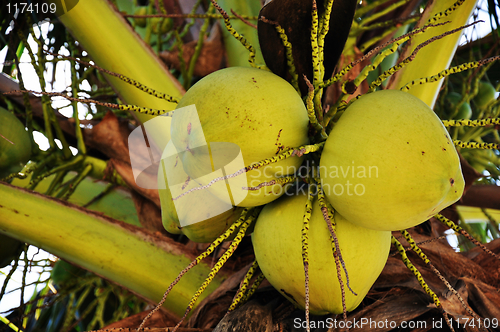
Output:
x=230 y=119
x=388 y=164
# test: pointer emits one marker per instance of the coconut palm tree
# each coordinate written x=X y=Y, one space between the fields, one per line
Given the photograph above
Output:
x=104 y=71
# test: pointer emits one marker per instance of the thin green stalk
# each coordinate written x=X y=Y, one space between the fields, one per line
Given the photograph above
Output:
x=7 y=322
x=237 y=54
x=197 y=50
x=74 y=91
x=40 y=68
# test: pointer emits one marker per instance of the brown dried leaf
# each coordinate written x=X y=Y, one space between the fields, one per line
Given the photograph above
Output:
x=450 y=263
x=252 y=316
x=149 y=214
x=394 y=305
x=484 y=298
x=294 y=16
x=334 y=91
x=210 y=59
x=488 y=262
x=211 y=310
x=451 y=303
x=126 y=173
x=152 y=329
x=484 y=196
x=160 y=319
